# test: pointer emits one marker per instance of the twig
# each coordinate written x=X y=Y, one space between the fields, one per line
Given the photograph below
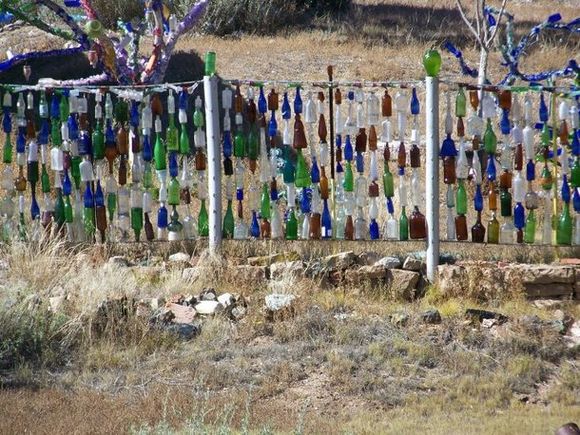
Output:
x=497 y=24
x=466 y=20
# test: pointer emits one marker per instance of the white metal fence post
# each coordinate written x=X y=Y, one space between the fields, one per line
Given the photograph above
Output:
x=432 y=175
x=213 y=156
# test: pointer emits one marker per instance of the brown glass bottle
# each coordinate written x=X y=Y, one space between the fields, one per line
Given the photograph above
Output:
x=338 y=97
x=460 y=127
x=135 y=142
x=46 y=220
x=519 y=157
x=238 y=101
x=449 y=175
x=156 y=106
x=505 y=99
x=20 y=182
x=324 y=191
x=373 y=140
x=415 y=156
x=387 y=104
x=387 y=153
x=461 y=227
x=492 y=197
x=111 y=155
x=315 y=229
x=123 y=171
x=149 y=233
x=299 y=135
x=373 y=190
x=402 y=156
x=564 y=133
x=361 y=141
x=417 y=225
x=200 y=161
x=349 y=228
x=474 y=99
x=265 y=229
x=273 y=100
x=478 y=231
x=101 y=217
x=122 y=141
x=520 y=236
x=505 y=180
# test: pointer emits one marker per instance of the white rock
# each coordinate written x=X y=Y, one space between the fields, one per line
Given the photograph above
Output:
x=209 y=307
x=55 y=303
x=277 y=301
x=179 y=257
x=226 y=299
x=389 y=262
x=573 y=336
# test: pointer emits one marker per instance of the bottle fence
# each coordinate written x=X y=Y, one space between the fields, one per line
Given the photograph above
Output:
x=131 y=164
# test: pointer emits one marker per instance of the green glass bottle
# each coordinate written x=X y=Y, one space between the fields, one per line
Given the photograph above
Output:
x=530 y=228
x=302 y=173
x=55 y=136
x=348 y=183
x=239 y=144
x=184 y=147
x=493 y=230
x=7 y=155
x=461 y=199
x=159 y=154
x=564 y=230
x=98 y=141
x=63 y=108
x=45 y=180
x=228 y=227
x=505 y=199
x=22 y=228
x=460 y=104
x=575 y=173
x=388 y=184
x=253 y=143
x=171 y=135
x=89 y=221
x=147 y=176
x=111 y=205
x=403 y=225
x=75 y=170
x=291 y=226
x=68 y=210
x=59 y=209
x=173 y=192
x=137 y=221
x=203 y=221
x=265 y=202
x=489 y=139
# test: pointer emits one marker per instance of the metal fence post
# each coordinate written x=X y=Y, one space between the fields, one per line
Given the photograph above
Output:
x=213 y=156
x=432 y=175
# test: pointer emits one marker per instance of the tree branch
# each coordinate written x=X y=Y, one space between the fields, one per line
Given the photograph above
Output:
x=466 y=20
x=489 y=41
x=89 y=10
x=79 y=35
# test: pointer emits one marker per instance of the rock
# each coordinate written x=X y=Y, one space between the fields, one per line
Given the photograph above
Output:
x=143 y=309
x=340 y=261
x=179 y=257
x=267 y=260
x=226 y=299
x=447 y=258
x=177 y=298
x=56 y=303
x=185 y=331
x=557 y=325
x=190 y=300
x=367 y=258
x=277 y=301
x=181 y=313
x=570 y=261
x=208 y=294
x=119 y=260
x=238 y=312
x=563 y=317
x=549 y=290
x=191 y=273
x=540 y=274
x=253 y=274
x=489 y=323
x=399 y=319
x=293 y=269
x=412 y=263
x=547 y=304
x=431 y=317
x=365 y=273
x=209 y=307
x=572 y=337
x=402 y=283
x=452 y=280
x=480 y=315
x=389 y=263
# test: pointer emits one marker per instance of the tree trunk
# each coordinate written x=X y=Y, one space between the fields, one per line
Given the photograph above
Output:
x=482 y=74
